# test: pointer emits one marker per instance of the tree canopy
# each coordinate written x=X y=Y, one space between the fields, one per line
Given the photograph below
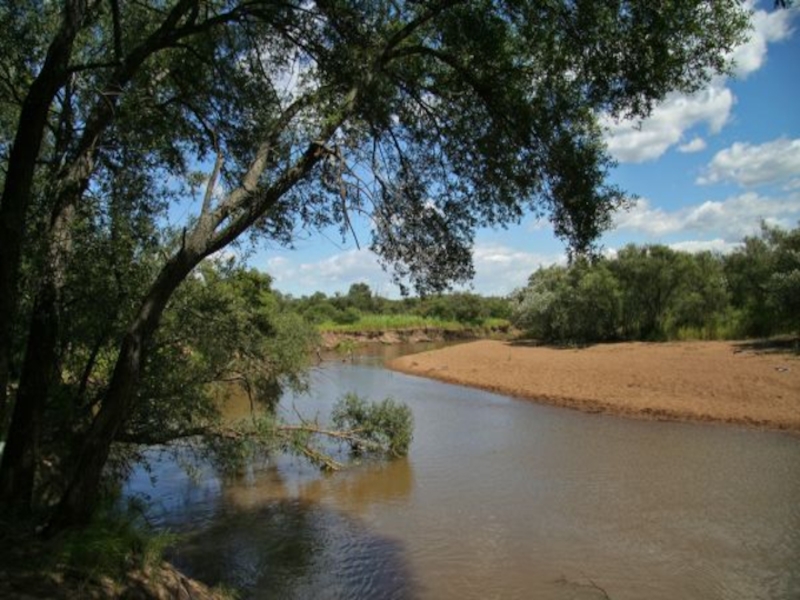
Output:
x=263 y=118
x=653 y=292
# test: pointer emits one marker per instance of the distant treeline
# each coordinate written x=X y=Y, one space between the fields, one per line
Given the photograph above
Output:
x=361 y=305
x=652 y=292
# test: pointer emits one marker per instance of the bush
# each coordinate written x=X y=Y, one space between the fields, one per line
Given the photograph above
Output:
x=112 y=544
x=387 y=425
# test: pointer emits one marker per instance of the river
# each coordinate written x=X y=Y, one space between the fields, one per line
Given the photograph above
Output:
x=499 y=498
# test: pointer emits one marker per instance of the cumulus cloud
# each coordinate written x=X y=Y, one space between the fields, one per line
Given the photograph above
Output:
x=499 y=269
x=792 y=185
x=715 y=245
x=768 y=27
x=634 y=142
x=750 y=165
x=334 y=273
x=696 y=145
x=730 y=219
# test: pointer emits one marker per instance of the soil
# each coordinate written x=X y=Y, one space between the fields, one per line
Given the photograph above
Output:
x=747 y=383
x=331 y=340
x=162 y=583
x=29 y=570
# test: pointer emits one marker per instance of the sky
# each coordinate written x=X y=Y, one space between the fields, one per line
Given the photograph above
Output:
x=707 y=170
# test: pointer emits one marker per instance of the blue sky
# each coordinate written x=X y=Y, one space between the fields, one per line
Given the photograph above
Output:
x=707 y=169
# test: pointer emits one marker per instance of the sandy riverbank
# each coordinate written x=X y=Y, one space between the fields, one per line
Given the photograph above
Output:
x=733 y=382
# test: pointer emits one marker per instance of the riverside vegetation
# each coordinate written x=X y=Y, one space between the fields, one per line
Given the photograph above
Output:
x=139 y=139
x=650 y=293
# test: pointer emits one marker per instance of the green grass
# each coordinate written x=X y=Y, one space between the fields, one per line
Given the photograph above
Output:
x=389 y=322
x=111 y=545
x=395 y=322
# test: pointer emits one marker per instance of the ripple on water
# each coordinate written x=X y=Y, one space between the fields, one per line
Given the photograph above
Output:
x=502 y=498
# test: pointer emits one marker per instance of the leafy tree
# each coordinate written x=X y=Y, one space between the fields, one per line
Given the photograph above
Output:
x=359 y=296
x=387 y=424
x=762 y=276
x=703 y=296
x=433 y=117
x=783 y=285
x=747 y=271
x=539 y=309
x=650 y=278
x=461 y=307
x=580 y=303
x=595 y=308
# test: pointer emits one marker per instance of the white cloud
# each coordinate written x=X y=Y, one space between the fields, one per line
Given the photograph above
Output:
x=768 y=27
x=634 y=142
x=631 y=141
x=331 y=274
x=500 y=269
x=715 y=245
x=750 y=165
x=730 y=219
x=696 y=145
x=792 y=185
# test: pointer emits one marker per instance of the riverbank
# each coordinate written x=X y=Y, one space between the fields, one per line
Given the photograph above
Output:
x=33 y=568
x=159 y=583
x=733 y=382
x=331 y=340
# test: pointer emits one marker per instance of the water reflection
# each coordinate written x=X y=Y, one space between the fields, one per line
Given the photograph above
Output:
x=296 y=549
x=499 y=499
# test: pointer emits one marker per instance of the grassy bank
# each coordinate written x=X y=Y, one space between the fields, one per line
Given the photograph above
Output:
x=116 y=555
x=374 y=323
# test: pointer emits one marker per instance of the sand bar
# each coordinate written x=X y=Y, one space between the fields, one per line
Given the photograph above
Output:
x=732 y=382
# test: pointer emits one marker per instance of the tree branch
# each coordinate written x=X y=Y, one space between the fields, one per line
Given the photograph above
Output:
x=212 y=180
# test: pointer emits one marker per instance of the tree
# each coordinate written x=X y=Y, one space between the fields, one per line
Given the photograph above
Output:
x=580 y=303
x=702 y=298
x=651 y=278
x=359 y=296
x=763 y=276
x=432 y=117
x=540 y=308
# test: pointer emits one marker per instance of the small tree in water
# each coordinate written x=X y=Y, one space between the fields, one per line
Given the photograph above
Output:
x=386 y=425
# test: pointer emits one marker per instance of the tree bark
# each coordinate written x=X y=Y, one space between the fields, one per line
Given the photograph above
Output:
x=19 y=175
x=80 y=498
x=19 y=460
x=40 y=370
x=21 y=452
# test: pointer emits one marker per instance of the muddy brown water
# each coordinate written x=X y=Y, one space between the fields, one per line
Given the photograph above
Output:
x=499 y=498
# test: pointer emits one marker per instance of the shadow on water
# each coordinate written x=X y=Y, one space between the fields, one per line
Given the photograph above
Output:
x=497 y=499
x=296 y=549
x=281 y=528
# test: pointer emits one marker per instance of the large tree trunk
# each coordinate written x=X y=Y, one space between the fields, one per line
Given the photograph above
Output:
x=20 y=456
x=80 y=498
x=20 y=172
x=40 y=371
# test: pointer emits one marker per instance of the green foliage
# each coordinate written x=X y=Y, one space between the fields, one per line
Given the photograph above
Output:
x=225 y=326
x=433 y=118
x=376 y=428
x=449 y=312
x=112 y=544
x=390 y=322
x=653 y=293
x=764 y=278
x=388 y=425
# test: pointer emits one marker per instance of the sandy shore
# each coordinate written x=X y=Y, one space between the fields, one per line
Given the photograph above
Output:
x=732 y=382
